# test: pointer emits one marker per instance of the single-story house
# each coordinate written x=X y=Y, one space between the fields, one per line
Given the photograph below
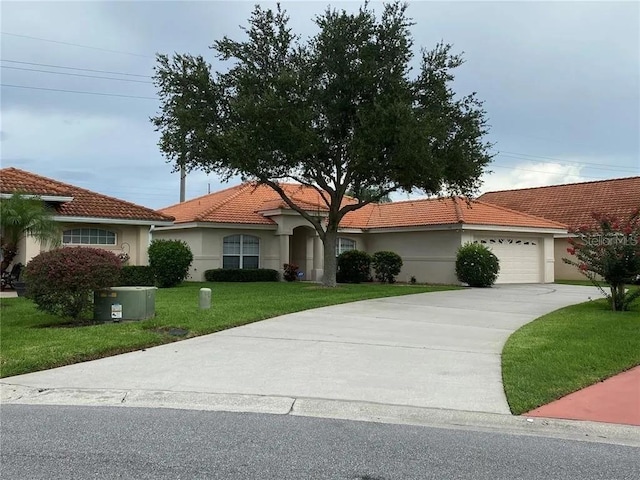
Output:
x=248 y=226
x=573 y=205
x=87 y=218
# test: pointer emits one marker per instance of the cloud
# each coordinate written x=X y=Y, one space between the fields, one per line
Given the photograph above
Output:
x=531 y=174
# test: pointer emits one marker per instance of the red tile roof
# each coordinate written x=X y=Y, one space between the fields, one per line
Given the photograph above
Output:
x=244 y=203
x=573 y=204
x=85 y=203
x=441 y=211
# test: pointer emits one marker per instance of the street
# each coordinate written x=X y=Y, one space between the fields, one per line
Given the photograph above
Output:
x=75 y=442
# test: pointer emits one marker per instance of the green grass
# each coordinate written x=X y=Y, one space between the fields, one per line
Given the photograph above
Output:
x=31 y=340
x=567 y=350
x=586 y=283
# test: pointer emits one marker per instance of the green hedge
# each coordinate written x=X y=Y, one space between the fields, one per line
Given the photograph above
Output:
x=241 y=275
x=137 y=275
x=354 y=266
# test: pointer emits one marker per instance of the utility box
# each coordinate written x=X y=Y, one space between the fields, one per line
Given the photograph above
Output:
x=124 y=303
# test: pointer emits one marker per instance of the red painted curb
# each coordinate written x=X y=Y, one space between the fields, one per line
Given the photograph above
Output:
x=615 y=400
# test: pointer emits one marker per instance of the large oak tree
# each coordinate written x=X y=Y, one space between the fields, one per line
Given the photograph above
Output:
x=340 y=111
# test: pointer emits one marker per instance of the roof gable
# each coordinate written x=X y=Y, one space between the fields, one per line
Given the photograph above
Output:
x=85 y=203
x=573 y=204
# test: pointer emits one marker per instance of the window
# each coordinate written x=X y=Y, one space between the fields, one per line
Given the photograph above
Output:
x=88 y=236
x=240 y=251
x=344 y=245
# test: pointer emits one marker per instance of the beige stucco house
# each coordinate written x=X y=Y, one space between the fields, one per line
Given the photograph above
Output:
x=573 y=205
x=249 y=226
x=86 y=218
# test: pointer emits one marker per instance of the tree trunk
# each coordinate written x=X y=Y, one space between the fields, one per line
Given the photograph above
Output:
x=330 y=263
x=617 y=297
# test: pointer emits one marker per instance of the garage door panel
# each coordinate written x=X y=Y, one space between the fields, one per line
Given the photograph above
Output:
x=520 y=258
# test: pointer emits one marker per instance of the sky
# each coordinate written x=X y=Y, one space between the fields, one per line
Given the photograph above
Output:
x=560 y=83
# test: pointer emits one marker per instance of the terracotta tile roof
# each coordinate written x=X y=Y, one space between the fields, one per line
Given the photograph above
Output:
x=85 y=203
x=573 y=204
x=244 y=203
x=441 y=211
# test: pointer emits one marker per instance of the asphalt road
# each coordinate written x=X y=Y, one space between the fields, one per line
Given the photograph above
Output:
x=64 y=442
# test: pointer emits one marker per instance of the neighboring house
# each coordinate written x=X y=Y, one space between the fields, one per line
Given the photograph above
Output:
x=247 y=227
x=87 y=218
x=572 y=204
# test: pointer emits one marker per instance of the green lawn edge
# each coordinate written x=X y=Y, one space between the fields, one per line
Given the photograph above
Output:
x=567 y=350
x=31 y=340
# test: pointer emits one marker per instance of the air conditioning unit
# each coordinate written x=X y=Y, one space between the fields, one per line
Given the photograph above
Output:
x=124 y=303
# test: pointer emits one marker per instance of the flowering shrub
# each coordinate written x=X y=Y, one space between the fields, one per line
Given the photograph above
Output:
x=61 y=281
x=354 y=266
x=386 y=265
x=290 y=273
x=170 y=261
x=476 y=265
x=609 y=252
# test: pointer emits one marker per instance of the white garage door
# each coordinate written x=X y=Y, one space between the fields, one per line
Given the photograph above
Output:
x=520 y=258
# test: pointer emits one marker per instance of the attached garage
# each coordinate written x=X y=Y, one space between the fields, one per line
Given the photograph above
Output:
x=521 y=258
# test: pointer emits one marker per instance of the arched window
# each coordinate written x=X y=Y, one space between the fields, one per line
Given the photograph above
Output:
x=344 y=245
x=240 y=251
x=88 y=236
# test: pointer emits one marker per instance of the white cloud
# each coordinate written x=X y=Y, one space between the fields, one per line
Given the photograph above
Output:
x=531 y=174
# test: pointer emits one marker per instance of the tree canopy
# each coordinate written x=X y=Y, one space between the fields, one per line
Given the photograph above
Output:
x=609 y=253
x=340 y=111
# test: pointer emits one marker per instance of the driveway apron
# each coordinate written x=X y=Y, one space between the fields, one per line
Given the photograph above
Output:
x=435 y=350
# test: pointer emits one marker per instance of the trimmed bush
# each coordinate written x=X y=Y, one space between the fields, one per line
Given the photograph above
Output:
x=62 y=281
x=137 y=275
x=354 y=266
x=476 y=265
x=170 y=261
x=241 y=275
x=386 y=265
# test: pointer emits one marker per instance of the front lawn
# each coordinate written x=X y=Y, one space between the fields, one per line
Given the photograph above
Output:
x=567 y=350
x=31 y=340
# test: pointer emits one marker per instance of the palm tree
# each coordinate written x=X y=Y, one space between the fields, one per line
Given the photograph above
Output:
x=22 y=215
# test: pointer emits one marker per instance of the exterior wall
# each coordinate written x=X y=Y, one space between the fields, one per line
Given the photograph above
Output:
x=428 y=256
x=130 y=239
x=562 y=270
x=206 y=246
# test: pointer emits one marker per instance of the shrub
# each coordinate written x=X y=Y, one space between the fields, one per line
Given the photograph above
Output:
x=242 y=275
x=290 y=272
x=476 y=265
x=61 y=281
x=170 y=261
x=610 y=250
x=386 y=265
x=354 y=266
x=137 y=275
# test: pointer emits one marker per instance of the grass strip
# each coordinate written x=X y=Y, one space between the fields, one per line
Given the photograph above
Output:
x=566 y=350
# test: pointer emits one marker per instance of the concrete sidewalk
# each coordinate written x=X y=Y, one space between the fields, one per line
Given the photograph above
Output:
x=437 y=350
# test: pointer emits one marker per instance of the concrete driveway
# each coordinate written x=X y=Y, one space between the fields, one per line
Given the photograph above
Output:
x=436 y=350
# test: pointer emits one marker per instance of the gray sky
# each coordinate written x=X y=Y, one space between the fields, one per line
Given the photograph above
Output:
x=560 y=81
